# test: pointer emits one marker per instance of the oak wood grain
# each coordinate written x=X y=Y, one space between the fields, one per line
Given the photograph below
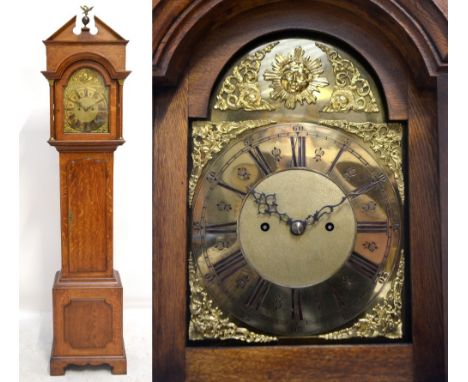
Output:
x=364 y=363
x=442 y=122
x=425 y=237
x=86 y=189
x=88 y=321
x=170 y=170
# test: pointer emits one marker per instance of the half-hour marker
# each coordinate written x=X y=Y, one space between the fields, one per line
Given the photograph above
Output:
x=332 y=166
x=296 y=304
x=258 y=157
x=229 y=265
x=365 y=267
x=222 y=228
x=372 y=227
x=230 y=188
x=258 y=294
x=298 y=148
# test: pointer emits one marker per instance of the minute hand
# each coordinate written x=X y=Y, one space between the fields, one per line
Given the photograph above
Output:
x=328 y=209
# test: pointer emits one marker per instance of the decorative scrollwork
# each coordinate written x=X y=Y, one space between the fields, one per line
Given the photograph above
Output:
x=384 y=319
x=351 y=91
x=209 y=138
x=208 y=322
x=240 y=90
x=295 y=78
x=383 y=138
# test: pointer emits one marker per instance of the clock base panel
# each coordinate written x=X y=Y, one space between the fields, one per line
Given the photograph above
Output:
x=88 y=324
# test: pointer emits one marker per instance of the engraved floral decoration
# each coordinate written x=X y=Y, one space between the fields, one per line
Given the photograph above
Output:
x=240 y=90
x=383 y=138
x=295 y=78
x=208 y=322
x=384 y=319
x=209 y=138
x=351 y=91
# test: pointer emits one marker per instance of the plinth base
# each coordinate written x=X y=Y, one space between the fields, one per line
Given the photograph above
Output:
x=118 y=364
x=88 y=326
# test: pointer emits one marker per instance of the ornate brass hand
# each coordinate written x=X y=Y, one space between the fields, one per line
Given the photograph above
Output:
x=328 y=209
x=267 y=205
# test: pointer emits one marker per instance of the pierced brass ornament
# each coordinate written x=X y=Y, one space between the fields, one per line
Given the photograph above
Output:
x=351 y=91
x=209 y=138
x=208 y=322
x=295 y=78
x=240 y=90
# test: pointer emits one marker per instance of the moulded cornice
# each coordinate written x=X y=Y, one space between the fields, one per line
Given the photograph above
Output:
x=178 y=25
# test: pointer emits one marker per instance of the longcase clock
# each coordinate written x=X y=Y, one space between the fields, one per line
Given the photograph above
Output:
x=299 y=190
x=86 y=74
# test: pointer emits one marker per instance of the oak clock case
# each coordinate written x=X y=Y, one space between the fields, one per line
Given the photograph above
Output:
x=297 y=211
x=86 y=74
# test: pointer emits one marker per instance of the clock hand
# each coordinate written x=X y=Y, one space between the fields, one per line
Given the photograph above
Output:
x=94 y=103
x=328 y=209
x=267 y=205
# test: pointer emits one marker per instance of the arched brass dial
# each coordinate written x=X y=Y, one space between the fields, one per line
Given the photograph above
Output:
x=86 y=103
x=296 y=228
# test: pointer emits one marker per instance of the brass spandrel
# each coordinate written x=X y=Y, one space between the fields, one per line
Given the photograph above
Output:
x=209 y=138
x=207 y=321
x=352 y=90
x=240 y=90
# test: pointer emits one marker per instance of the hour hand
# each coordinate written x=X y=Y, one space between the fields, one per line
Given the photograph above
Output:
x=267 y=205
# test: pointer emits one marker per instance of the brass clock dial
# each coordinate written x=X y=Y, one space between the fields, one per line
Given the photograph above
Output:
x=86 y=103
x=296 y=228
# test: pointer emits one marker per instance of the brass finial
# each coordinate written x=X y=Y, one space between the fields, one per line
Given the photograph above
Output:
x=85 y=18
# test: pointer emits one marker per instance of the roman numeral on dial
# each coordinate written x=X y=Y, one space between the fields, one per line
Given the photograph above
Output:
x=258 y=157
x=222 y=228
x=335 y=161
x=360 y=264
x=296 y=304
x=229 y=265
x=298 y=148
x=258 y=294
x=372 y=227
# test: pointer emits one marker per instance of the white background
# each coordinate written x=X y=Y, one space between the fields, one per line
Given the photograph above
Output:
x=24 y=97
x=25 y=101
